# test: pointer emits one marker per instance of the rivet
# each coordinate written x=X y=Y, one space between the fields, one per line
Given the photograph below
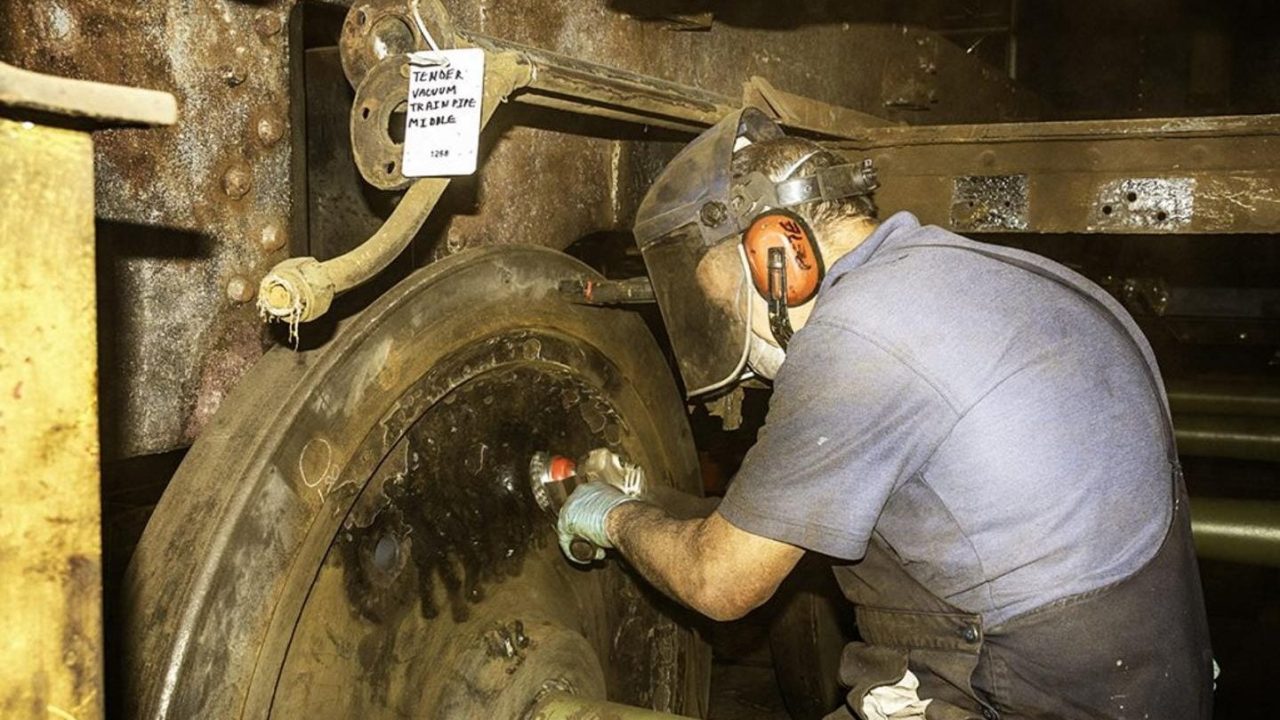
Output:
x=271 y=238
x=267 y=24
x=270 y=129
x=713 y=213
x=239 y=289
x=233 y=75
x=987 y=158
x=237 y=181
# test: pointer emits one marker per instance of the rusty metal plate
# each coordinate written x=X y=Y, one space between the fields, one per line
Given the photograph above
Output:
x=985 y=203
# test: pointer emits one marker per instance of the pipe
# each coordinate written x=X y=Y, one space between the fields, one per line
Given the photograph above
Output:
x=1241 y=437
x=1242 y=531
x=302 y=289
x=563 y=706
x=1222 y=398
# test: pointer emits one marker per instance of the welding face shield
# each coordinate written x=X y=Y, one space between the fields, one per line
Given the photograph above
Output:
x=688 y=232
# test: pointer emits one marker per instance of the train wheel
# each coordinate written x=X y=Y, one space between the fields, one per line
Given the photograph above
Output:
x=353 y=535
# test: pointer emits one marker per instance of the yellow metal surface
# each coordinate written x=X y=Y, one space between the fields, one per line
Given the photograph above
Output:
x=50 y=552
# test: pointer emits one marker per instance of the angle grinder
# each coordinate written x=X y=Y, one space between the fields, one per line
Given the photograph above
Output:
x=554 y=477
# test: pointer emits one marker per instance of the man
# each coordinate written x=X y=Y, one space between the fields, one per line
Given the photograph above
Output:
x=981 y=433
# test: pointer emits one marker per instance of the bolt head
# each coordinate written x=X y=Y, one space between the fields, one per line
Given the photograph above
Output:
x=271 y=238
x=267 y=24
x=713 y=214
x=236 y=181
x=278 y=297
x=239 y=289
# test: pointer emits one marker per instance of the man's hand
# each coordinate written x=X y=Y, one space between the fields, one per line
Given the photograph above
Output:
x=585 y=513
x=702 y=561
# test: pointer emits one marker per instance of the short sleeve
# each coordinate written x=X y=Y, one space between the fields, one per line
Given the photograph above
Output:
x=847 y=422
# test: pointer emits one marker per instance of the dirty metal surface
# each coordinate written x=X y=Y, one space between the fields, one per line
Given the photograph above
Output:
x=188 y=216
x=192 y=216
x=796 y=111
x=989 y=202
x=562 y=82
x=342 y=208
x=445 y=592
x=50 y=552
x=230 y=578
x=1171 y=176
x=380 y=101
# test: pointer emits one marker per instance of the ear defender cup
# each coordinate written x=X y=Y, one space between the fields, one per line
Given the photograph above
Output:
x=802 y=260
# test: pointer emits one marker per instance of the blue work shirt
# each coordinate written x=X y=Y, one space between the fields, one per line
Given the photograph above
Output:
x=998 y=430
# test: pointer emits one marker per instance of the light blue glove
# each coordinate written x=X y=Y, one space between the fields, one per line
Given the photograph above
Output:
x=584 y=514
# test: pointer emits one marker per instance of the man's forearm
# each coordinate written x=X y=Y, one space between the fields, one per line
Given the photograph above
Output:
x=666 y=550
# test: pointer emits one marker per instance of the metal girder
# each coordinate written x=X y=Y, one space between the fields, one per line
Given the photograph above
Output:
x=1175 y=176
x=565 y=83
x=1243 y=531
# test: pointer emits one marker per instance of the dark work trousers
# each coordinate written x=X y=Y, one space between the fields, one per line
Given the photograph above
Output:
x=1138 y=648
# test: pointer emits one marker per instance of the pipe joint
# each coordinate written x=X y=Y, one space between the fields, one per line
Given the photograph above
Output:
x=296 y=290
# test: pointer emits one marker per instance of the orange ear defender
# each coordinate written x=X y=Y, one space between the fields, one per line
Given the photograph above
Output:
x=785 y=263
x=801 y=259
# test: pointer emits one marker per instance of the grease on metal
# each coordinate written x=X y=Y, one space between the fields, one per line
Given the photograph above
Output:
x=461 y=508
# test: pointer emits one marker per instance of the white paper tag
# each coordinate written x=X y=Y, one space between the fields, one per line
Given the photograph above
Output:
x=442 y=123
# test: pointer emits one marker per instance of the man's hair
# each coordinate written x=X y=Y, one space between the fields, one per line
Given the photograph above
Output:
x=774 y=158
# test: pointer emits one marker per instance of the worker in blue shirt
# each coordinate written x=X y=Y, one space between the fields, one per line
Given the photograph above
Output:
x=979 y=433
